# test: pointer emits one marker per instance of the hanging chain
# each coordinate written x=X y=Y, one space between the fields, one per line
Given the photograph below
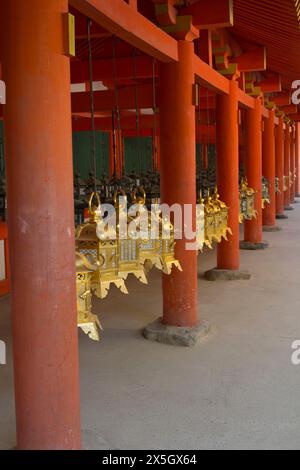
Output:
x=137 y=117
x=155 y=162
x=117 y=108
x=208 y=129
x=92 y=104
x=114 y=143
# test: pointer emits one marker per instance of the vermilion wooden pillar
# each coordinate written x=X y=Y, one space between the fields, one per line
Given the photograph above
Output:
x=297 y=156
x=269 y=213
x=228 y=173
x=227 y=147
x=178 y=178
x=38 y=143
x=287 y=149
x=253 y=228
x=279 y=156
x=292 y=164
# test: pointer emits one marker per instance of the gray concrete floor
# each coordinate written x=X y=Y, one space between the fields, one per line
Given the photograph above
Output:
x=237 y=390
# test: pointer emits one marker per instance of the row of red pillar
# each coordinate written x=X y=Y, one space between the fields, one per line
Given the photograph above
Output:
x=271 y=151
x=41 y=220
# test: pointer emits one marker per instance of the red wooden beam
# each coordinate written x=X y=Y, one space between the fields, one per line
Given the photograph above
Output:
x=125 y=22
x=210 y=13
x=105 y=123
x=295 y=117
x=210 y=77
x=291 y=109
x=245 y=100
x=284 y=99
x=81 y=29
x=104 y=69
x=252 y=61
x=106 y=100
x=271 y=85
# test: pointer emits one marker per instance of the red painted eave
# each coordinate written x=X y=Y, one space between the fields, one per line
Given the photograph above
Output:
x=274 y=24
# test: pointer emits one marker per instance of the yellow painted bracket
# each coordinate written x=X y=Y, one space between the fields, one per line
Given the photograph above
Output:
x=69 y=35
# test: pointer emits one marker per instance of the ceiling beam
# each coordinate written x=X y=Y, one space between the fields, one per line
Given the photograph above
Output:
x=252 y=61
x=209 y=77
x=284 y=99
x=125 y=22
x=271 y=84
x=209 y=14
x=125 y=68
x=291 y=109
x=107 y=100
x=295 y=117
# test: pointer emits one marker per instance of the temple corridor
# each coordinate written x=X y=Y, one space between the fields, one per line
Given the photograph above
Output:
x=237 y=389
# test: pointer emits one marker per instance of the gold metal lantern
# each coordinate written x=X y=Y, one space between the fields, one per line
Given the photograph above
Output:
x=200 y=224
x=166 y=242
x=86 y=320
x=265 y=192
x=129 y=246
x=247 y=201
x=104 y=250
x=222 y=214
x=210 y=226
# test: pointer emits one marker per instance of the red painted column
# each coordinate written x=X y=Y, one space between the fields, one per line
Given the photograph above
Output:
x=268 y=146
x=297 y=157
x=292 y=163
x=228 y=173
x=178 y=178
x=38 y=143
x=253 y=228
x=287 y=149
x=279 y=154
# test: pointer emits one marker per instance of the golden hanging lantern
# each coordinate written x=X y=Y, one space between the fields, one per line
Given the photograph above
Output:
x=150 y=255
x=166 y=242
x=265 y=192
x=200 y=223
x=247 y=201
x=129 y=247
x=210 y=225
x=86 y=320
x=222 y=213
x=103 y=249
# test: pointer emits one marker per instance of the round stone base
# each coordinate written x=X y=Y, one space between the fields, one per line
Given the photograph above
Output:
x=176 y=335
x=253 y=246
x=271 y=228
x=281 y=217
x=295 y=202
x=297 y=195
x=288 y=208
x=227 y=275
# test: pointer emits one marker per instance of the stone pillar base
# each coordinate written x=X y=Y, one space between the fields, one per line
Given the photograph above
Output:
x=271 y=228
x=288 y=208
x=253 y=246
x=176 y=335
x=297 y=195
x=281 y=217
x=227 y=275
x=295 y=202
